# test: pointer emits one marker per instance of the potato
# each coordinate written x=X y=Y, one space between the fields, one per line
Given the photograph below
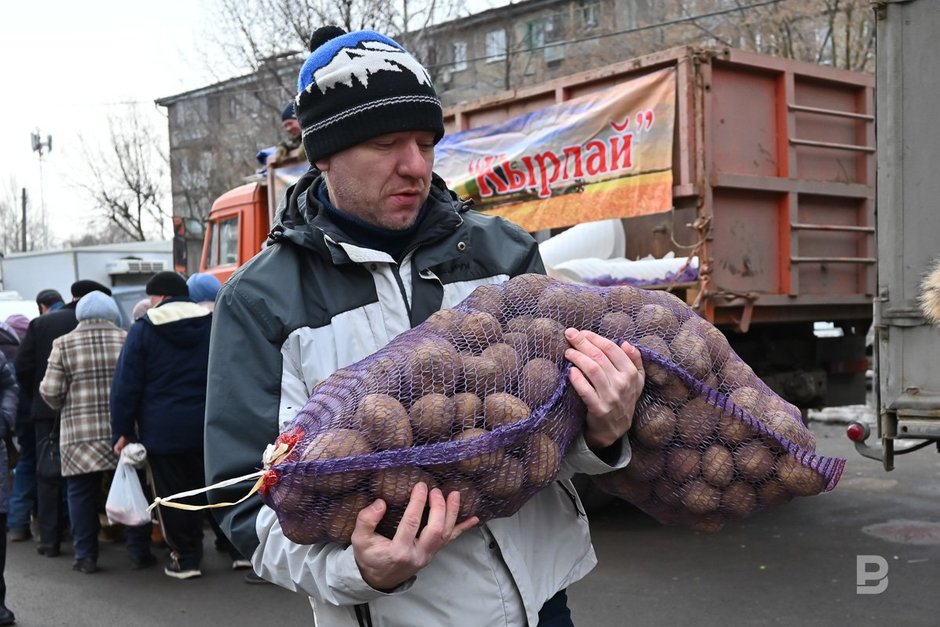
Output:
x=432 y=418
x=488 y=299
x=547 y=339
x=735 y=374
x=540 y=377
x=505 y=480
x=654 y=373
x=519 y=341
x=753 y=460
x=739 y=500
x=654 y=426
x=581 y=309
x=696 y=421
x=501 y=409
x=733 y=430
x=617 y=326
x=393 y=485
x=480 y=374
x=384 y=422
x=445 y=322
x=646 y=465
x=656 y=320
x=338 y=523
x=519 y=324
x=434 y=364
x=468 y=410
x=683 y=464
x=478 y=330
x=690 y=351
x=700 y=498
x=522 y=292
x=717 y=466
x=336 y=444
x=470 y=498
x=667 y=493
x=507 y=363
x=747 y=398
x=542 y=460
x=709 y=523
x=797 y=478
x=623 y=298
x=773 y=492
x=482 y=461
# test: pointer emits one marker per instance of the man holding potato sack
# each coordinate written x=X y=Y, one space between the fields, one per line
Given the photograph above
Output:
x=367 y=245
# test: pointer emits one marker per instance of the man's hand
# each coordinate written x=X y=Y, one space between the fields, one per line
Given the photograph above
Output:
x=609 y=379
x=120 y=444
x=386 y=564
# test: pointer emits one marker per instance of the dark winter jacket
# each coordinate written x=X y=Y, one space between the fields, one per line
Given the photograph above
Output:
x=9 y=342
x=34 y=352
x=9 y=394
x=158 y=396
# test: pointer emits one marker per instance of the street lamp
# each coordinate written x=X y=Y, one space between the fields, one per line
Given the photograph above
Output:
x=41 y=147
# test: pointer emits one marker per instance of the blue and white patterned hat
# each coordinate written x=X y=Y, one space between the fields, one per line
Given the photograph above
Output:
x=355 y=86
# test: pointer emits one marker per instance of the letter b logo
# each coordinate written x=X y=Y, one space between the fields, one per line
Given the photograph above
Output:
x=871 y=581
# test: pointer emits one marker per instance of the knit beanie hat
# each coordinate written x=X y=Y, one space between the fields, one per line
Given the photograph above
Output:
x=167 y=283
x=288 y=112
x=203 y=287
x=97 y=305
x=19 y=323
x=359 y=85
x=86 y=286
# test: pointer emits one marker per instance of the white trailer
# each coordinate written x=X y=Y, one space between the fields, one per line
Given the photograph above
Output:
x=131 y=263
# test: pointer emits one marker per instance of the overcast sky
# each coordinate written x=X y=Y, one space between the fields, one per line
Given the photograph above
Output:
x=66 y=65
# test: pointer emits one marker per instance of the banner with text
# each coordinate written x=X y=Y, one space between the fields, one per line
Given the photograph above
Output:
x=600 y=156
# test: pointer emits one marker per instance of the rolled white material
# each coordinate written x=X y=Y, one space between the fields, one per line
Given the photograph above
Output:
x=613 y=271
x=604 y=239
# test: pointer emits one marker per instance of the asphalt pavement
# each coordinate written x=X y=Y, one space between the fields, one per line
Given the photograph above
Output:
x=794 y=564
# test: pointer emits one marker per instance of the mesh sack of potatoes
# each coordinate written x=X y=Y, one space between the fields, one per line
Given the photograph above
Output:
x=476 y=399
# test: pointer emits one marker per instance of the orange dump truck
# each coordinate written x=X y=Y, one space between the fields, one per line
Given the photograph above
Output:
x=759 y=167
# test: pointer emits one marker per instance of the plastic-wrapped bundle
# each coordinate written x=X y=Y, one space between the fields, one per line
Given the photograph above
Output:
x=477 y=399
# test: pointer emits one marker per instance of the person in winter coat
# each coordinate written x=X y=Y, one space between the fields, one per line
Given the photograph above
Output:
x=31 y=361
x=158 y=398
x=368 y=244
x=9 y=396
x=203 y=288
x=12 y=331
x=78 y=384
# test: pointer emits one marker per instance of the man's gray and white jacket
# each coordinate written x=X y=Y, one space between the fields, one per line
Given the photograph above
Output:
x=312 y=302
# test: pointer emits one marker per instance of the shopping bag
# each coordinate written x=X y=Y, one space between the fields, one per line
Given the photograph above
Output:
x=126 y=503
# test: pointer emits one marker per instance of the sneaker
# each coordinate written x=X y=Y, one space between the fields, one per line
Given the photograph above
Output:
x=177 y=572
x=6 y=616
x=48 y=551
x=255 y=578
x=86 y=565
x=144 y=562
x=241 y=564
x=19 y=535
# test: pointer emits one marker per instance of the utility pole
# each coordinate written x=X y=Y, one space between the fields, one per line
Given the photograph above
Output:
x=23 y=232
x=40 y=147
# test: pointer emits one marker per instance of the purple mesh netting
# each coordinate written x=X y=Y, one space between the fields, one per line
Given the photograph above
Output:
x=476 y=399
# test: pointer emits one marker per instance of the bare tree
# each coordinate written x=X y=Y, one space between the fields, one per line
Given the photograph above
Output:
x=840 y=33
x=128 y=180
x=11 y=221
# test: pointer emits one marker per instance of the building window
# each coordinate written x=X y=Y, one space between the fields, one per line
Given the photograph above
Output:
x=589 y=14
x=460 y=56
x=495 y=45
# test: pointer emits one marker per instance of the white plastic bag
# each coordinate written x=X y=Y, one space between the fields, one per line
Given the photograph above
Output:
x=126 y=503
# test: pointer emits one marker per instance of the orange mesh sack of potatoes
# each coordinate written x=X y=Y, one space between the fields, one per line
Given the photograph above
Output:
x=476 y=399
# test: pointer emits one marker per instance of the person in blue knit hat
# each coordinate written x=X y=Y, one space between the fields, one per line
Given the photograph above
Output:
x=203 y=288
x=368 y=244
